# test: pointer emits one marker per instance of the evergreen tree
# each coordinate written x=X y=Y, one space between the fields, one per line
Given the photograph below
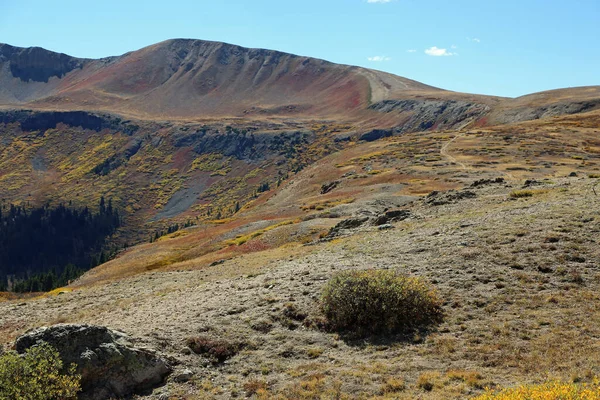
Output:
x=39 y=245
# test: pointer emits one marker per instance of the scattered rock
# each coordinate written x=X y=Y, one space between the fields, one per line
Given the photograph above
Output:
x=544 y=269
x=391 y=216
x=531 y=182
x=350 y=223
x=385 y=227
x=328 y=187
x=485 y=182
x=109 y=365
x=575 y=258
x=183 y=376
x=438 y=199
x=344 y=137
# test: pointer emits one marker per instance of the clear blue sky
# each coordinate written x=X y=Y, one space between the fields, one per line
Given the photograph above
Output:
x=500 y=47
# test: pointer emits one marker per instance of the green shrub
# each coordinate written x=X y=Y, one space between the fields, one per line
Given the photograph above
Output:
x=379 y=302
x=37 y=375
x=519 y=194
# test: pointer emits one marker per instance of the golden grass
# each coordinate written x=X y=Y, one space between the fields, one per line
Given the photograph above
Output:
x=240 y=240
x=323 y=205
x=59 y=291
x=519 y=194
x=553 y=390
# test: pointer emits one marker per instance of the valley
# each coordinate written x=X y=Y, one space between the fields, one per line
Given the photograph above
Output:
x=281 y=171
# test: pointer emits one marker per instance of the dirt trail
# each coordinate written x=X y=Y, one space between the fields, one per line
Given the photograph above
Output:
x=444 y=151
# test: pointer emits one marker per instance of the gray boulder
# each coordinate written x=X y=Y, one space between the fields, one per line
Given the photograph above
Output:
x=350 y=223
x=109 y=365
x=391 y=216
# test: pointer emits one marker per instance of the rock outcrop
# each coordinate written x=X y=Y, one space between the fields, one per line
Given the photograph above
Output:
x=43 y=120
x=36 y=64
x=110 y=366
x=422 y=115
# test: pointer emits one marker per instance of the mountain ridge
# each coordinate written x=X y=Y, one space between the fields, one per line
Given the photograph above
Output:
x=192 y=80
x=188 y=78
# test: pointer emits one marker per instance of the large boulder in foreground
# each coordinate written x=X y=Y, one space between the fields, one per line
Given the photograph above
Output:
x=109 y=365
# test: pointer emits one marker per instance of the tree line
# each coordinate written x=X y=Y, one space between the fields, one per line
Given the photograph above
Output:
x=45 y=247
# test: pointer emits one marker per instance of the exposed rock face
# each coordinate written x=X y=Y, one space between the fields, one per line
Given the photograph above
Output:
x=109 y=365
x=485 y=182
x=436 y=198
x=376 y=134
x=392 y=216
x=431 y=114
x=43 y=120
x=328 y=187
x=519 y=114
x=243 y=145
x=350 y=223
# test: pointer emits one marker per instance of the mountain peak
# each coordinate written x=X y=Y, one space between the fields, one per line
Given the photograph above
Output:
x=193 y=78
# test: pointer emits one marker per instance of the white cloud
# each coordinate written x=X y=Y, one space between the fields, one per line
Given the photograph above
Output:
x=454 y=47
x=436 y=52
x=378 y=58
x=379 y=1
x=476 y=40
x=411 y=51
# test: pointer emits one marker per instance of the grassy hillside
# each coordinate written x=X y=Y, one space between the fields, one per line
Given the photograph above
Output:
x=246 y=179
x=512 y=261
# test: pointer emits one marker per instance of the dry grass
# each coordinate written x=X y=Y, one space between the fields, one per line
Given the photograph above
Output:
x=554 y=390
x=518 y=277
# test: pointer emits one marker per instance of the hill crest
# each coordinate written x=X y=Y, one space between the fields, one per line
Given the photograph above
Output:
x=185 y=78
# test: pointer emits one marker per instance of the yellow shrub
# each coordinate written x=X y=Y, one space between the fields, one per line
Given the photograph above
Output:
x=553 y=390
x=517 y=194
x=379 y=301
x=38 y=375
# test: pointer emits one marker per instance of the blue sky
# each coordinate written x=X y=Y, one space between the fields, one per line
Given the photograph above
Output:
x=498 y=47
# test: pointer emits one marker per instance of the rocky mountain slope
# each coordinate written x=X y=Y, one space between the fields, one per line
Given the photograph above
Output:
x=287 y=169
x=189 y=129
x=512 y=258
x=194 y=79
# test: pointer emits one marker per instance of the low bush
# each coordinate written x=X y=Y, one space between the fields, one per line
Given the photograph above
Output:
x=393 y=385
x=379 y=302
x=519 y=194
x=292 y=312
x=548 y=391
x=217 y=350
x=37 y=375
x=254 y=387
x=427 y=381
